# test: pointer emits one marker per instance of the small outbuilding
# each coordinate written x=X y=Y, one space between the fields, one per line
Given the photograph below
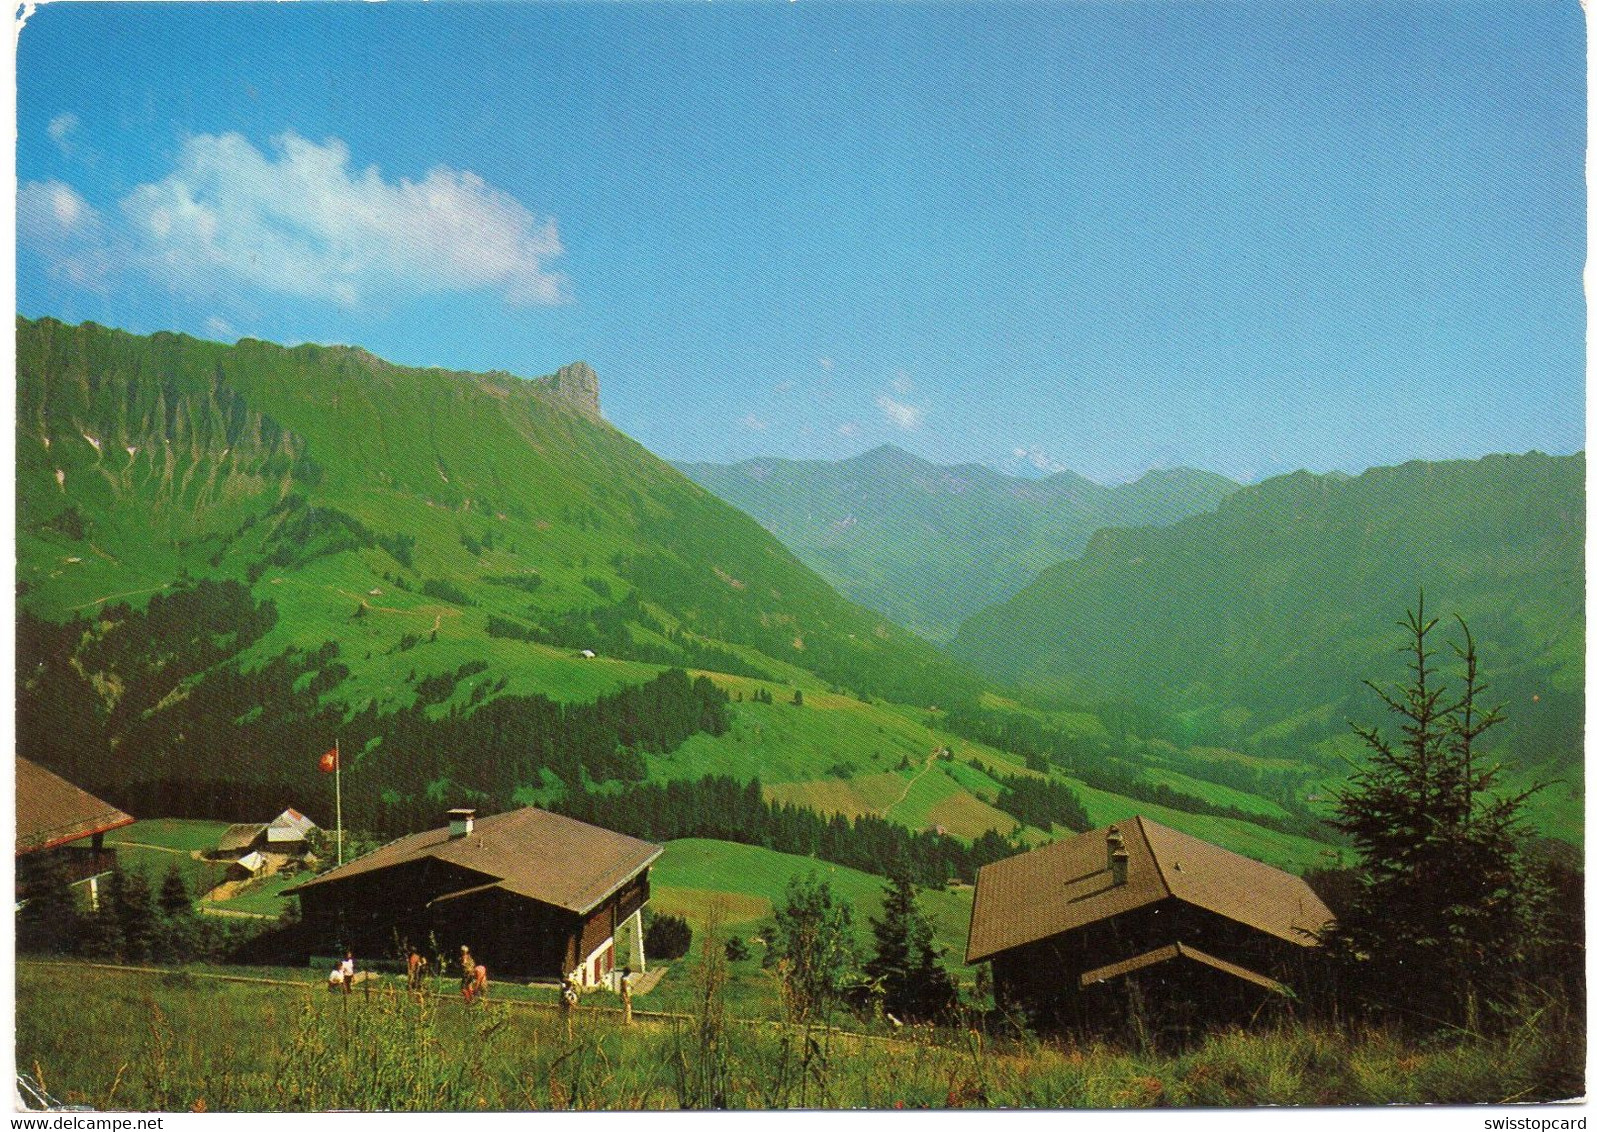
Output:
x=246 y=867
x=1138 y=917
x=531 y=893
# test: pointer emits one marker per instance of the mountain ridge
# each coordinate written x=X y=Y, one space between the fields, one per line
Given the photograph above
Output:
x=930 y=544
x=1256 y=623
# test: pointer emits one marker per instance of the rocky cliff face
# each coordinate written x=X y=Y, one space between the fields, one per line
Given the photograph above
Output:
x=575 y=385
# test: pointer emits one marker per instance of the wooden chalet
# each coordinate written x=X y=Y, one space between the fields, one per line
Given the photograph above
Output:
x=60 y=822
x=533 y=894
x=1137 y=916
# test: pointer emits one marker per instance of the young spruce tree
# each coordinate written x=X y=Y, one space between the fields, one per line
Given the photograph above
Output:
x=1444 y=912
x=913 y=982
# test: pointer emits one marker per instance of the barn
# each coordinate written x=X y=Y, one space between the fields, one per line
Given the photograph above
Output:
x=1139 y=917
x=60 y=822
x=533 y=894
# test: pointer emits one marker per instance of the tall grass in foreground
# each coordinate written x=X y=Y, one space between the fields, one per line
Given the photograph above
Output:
x=115 y=1040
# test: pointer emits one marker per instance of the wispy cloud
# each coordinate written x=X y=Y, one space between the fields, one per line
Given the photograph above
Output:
x=61 y=129
x=299 y=220
x=905 y=416
x=848 y=429
x=753 y=423
x=827 y=364
x=902 y=384
x=62 y=227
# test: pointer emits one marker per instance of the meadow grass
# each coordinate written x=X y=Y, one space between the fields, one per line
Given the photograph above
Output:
x=694 y=872
x=178 y=1042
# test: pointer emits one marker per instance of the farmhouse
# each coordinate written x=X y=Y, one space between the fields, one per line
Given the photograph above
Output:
x=289 y=833
x=59 y=822
x=1139 y=916
x=533 y=894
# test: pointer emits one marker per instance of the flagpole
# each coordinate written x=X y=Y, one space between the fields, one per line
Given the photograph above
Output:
x=338 y=796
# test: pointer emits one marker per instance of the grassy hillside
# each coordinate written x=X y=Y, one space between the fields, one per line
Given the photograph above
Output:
x=929 y=545
x=414 y=499
x=1253 y=627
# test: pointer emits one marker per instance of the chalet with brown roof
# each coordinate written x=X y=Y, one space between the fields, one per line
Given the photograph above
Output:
x=60 y=822
x=532 y=893
x=1080 y=929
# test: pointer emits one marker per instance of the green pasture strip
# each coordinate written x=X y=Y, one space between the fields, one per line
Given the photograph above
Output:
x=1283 y=850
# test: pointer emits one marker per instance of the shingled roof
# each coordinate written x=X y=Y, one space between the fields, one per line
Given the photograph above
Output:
x=1066 y=885
x=531 y=852
x=51 y=811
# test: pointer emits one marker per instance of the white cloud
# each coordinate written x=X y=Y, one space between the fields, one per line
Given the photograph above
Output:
x=783 y=386
x=906 y=417
x=902 y=383
x=827 y=364
x=848 y=428
x=220 y=328
x=300 y=221
x=64 y=228
x=61 y=129
x=750 y=421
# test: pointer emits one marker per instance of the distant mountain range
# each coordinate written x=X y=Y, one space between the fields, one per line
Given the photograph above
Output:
x=929 y=545
x=1254 y=626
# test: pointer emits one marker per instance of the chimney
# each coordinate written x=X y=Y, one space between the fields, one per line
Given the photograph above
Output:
x=460 y=822
x=1118 y=858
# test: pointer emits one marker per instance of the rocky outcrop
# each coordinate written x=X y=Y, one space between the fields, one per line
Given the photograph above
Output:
x=575 y=385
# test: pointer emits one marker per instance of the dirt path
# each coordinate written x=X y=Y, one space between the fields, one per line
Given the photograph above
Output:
x=157 y=848
x=910 y=785
x=115 y=597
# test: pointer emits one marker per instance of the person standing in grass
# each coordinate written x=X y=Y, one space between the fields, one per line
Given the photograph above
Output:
x=568 y=1000
x=468 y=973
x=347 y=970
x=415 y=970
x=626 y=996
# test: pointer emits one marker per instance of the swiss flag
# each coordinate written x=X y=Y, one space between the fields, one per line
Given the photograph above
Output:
x=329 y=761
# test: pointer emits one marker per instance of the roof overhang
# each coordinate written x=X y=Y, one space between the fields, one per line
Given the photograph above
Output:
x=623 y=882
x=54 y=839
x=1170 y=953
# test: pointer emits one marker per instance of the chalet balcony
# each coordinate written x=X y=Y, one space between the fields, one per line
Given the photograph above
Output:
x=85 y=862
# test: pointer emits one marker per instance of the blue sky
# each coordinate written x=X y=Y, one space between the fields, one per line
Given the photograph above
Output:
x=1248 y=238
